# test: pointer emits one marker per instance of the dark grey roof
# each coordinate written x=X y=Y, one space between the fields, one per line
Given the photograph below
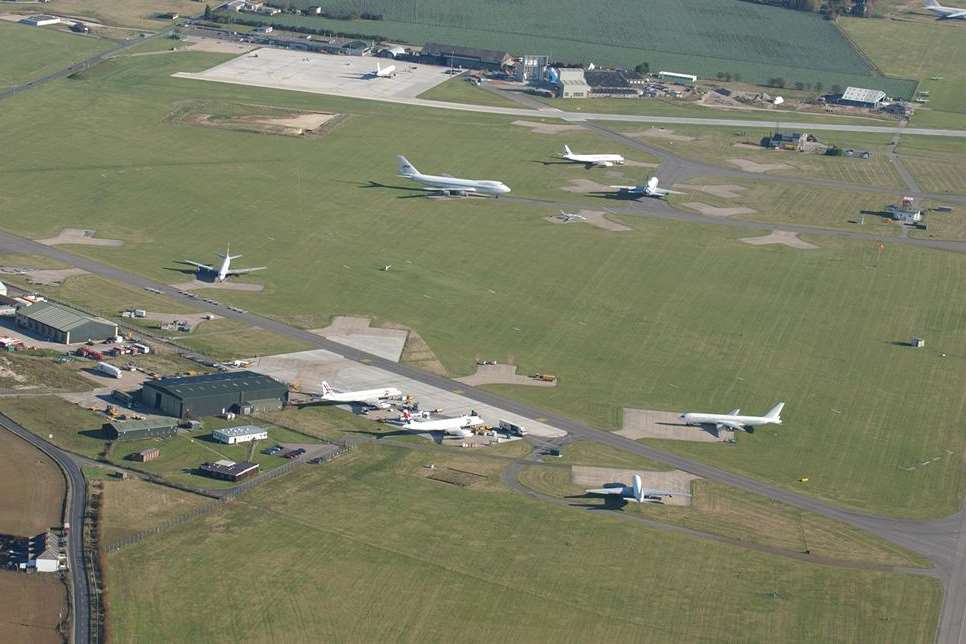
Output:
x=214 y=383
x=485 y=55
x=59 y=317
x=605 y=78
x=235 y=469
x=121 y=426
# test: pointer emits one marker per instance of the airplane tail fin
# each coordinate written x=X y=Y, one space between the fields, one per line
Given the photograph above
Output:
x=652 y=183
x=326 y=389
x=406 y=168
x=378 y=67
x=775 y=413
x=933 y=3
x=567 y=150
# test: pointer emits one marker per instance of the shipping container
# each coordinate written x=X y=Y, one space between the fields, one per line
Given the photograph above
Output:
x=108 y=370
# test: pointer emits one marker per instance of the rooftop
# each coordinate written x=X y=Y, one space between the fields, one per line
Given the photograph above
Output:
x=121 y=426
x=605 y=78
x=242 y=430
x=59 y=317
x=863 y=95
x=485 y=55
x=214 y=383
x=229 y=468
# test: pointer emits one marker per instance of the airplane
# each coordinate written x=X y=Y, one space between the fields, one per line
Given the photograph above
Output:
x=569 y=217
x=382 y=72
x=448 y=185
x=945 y=13
x=637 y=492
x=649 y=189
x=591 y=160
x=734 y=420
x=224 y=270
x=458 y=426
x=371 y=397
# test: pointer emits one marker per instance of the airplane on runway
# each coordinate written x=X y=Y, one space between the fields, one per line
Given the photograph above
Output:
x=458 y=426
x=448 y=185
x=734 y=420
x=637 y=492
x=648 y=189
x=591 y=160
x=224 y=270
x=569 y=217
x=945 y=13
x=371 y=397
x=388 y=71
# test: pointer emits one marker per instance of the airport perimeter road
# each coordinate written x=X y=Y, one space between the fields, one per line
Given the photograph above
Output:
x=74 y=513
x=942 y=541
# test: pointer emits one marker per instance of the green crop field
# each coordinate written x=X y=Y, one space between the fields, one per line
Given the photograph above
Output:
x=367 y=549
x=664 y=316
x=32 y=52
x=703 y=37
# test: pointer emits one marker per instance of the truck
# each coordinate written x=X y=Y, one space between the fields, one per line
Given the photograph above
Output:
x=512 y=428
x=87 y=352
x=108 y=370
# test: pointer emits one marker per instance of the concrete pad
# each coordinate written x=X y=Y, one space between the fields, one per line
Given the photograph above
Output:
x=645 y=423
x=753 y=166
x=502 y=374
x=640 y=164
x=323 y=74
x=79 y=236
x=309 y=368
x=585 y=185
x=47 y=277
x=715 y=211
x=659 y=133
x=193 y=319
x=356 y=332
x=783 y=237
x=547 y=128
x=672 y=481
x=224 y=286
x=594 y=218
x=9 y=328
x=725 y=191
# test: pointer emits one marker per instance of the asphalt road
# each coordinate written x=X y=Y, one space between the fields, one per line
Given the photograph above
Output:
x=74 y=513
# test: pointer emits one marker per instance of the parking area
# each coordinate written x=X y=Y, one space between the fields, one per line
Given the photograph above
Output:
x=647 y=423
x=672 y=481
x=309 y=368
x=323 y=74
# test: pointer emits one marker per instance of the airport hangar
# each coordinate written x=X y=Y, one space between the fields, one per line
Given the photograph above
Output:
x=214 y=394
x=63 y=324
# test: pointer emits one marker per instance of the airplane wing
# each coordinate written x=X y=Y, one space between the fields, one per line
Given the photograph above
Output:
x=242 y=271
x=624 y=187
x=197 y=264
x=734 y=412
x=606 y=490
x=729 y=424
x=956 y=14
x=663 y=493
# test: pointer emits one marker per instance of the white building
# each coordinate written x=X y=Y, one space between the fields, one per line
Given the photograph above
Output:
x=41 y=21
x=243 y=434
x=572 y=83
x=905 y=212
x=862 y=97
x=678 y=79
x=530 y=69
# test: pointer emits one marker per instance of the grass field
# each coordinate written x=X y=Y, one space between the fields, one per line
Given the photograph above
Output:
x=920 y=49
x=702 y=36
x=133 y=505
x=33 y=489
x=665 y=316
x=460 y=90
x=30 y=374
x=129 y=13
x=32 y=52
x=64 y=424
x=368 y=549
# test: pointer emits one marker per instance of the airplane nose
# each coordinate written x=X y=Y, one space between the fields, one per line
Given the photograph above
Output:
x=504 y=189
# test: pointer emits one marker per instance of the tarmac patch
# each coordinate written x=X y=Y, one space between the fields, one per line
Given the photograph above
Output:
x=79 y=236
x=646 y=423
x=725 y=191
x=547 y=128
x=356 y=332
x=594 y=218
x=585 y=185
x=193 y=319
x=225 y=286
x=660 y=133
x=501 y=374
x=782 y=237
x=715 y=211
x=759 y=168
x=671 y=481
x=45 y=277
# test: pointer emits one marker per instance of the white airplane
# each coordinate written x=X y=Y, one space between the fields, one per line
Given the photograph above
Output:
x=590 y=160
x=637 y=492
x=372 y=397
x=734 y=420
x=945 y=13
x=224 y=270
x=458 y=426
x=649 y=189
x=448 y=185
x=568 y=217
x=388 y=71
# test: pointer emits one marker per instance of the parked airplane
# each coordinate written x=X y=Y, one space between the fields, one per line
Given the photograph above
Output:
x=734 y=420
x=648 y=189
x=945 y=13
x=224 y=270
x=568 y=217
x=388 y=71
x=448 y=185
x=458 y=426
x=637 y=492
x=372 y=397
x=590 y=160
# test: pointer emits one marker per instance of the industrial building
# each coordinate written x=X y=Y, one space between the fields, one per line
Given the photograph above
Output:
x=465 y=57
x=228 y=470
x=146 y=455
x=63 y=324
x=611 y=82
x=40 y=21
x=214 y=394
x=132 y=430
x=531 y=69
x=678 y=79
x=862 y=97
x=571 y=83
x=243 y=434
x=905 y=211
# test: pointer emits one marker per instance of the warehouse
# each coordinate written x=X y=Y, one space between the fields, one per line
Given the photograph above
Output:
x=243 y=434
x=228 y=470
x=861 y=97
x=465 y=57
x=214 y=394
x=678 y=79
x=572 y=84
x=62 y=324
x=609 y=82
x=132 y=430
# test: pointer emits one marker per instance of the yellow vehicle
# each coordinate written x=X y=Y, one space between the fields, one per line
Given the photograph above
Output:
x=545 y=377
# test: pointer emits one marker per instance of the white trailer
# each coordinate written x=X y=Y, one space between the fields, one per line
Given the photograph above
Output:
x=108 y=370
x=512 y=428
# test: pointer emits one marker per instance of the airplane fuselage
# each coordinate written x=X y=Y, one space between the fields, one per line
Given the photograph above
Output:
x=693 y=418
x=223 y=269
x=458 y=426
x=596 y=159
x=364 y=396
x=460 y=186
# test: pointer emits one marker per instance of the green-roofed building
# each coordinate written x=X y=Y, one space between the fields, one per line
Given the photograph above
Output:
x=214 y=394
x=130 y=430
x=60 y=323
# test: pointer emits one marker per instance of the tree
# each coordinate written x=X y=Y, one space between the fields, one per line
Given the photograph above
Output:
x=207 y=12
x=643 y=68
x=818 y=87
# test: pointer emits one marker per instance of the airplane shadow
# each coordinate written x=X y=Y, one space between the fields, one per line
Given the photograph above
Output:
x=183 y=271
x=610 y=503
x=436 y=436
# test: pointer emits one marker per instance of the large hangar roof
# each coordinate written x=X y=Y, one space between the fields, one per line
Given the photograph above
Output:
x=214 y=384
x=59 y=317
